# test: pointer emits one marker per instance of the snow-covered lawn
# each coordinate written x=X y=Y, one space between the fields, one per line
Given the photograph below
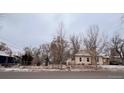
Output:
x=15 y=70
x=27 y=70
x=43 y=68
x=112 y=67
x=37 y=70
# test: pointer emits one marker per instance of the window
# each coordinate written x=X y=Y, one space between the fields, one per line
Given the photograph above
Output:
x=88 y=60
x=80 y=59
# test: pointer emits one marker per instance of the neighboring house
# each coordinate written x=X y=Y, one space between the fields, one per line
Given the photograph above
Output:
x=5 y=58
x=84 y=58
x=115 y=57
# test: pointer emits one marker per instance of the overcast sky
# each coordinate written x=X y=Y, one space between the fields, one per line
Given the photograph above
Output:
x=21 y=30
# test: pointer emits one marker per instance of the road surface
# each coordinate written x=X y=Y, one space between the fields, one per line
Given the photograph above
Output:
x=61 y=75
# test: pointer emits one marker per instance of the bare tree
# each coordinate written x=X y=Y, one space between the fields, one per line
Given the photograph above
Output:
x=93 y=43
x=45 y=48
x=75 y=45
x=45 y=53
x=28 y=50
x=118 y=45
x=3 y=47
x=36 y=56
x=27 y=57
x=59 y=47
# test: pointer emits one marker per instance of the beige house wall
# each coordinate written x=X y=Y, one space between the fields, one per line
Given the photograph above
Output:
x=82 y=60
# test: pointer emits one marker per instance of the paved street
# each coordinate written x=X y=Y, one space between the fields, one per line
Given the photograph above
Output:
x=61 y=75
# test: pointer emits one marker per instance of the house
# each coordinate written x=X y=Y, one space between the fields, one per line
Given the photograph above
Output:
x=5 y=58
x=115 y=57
x=84 y=58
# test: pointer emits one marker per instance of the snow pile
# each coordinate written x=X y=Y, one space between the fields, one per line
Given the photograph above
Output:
x=15 y=70
x=77 y=69
x=28 y=69
x=112 y=67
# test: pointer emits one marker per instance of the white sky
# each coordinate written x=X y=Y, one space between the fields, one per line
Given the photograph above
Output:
x=21 y=30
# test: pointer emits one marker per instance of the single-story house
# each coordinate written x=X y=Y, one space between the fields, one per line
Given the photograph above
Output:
x=84 y=58
x=5 y=58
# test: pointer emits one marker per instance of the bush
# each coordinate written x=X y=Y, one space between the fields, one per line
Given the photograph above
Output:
x=38 y=64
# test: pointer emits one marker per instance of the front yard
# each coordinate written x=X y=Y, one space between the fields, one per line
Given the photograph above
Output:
x=76 y=68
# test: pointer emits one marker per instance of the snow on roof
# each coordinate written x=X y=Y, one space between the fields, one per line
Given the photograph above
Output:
x=82 y=53
x=106 y=56
x=2 y=53
x=15 y=51
x=85 y=53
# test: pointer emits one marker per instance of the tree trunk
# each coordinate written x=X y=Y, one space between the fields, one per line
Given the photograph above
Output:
x=94 y=62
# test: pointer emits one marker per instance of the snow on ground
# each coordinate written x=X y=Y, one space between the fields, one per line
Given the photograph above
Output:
x=112 y=67
x=39 y=68
x=27 y=70
x=15 y=70
x=42 y=68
